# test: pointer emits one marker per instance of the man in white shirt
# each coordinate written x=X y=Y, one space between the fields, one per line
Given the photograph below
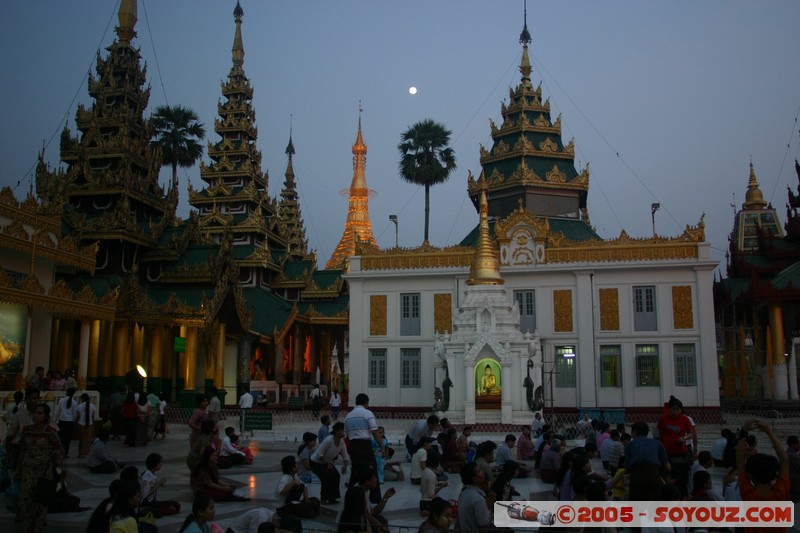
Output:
x=361 y=427
x=421 y=429
x=245 y=404
x=214 y=405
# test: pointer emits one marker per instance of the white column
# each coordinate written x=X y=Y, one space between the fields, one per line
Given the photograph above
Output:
x=793 y=369
x=586 y=354
x=469 y=403
x=507 y=411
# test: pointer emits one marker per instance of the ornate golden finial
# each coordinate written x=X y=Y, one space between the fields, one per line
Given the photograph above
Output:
x=524 y=40
x=485 y=267
x=753 y=199
x=237 y=52
x=127 y=21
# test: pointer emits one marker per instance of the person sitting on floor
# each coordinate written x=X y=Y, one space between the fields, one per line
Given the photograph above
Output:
x=205 y=480
x=100 y=460
x=231 y=453
x=291 y=494
x=150 y=483
x=263 y=520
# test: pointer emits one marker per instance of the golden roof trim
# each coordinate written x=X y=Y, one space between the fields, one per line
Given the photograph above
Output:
x=59 y=300
x=425 y=256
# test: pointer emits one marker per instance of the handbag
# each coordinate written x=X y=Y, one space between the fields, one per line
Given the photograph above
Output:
x=44 y=491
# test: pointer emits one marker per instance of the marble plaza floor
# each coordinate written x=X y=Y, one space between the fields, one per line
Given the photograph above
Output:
x=257 y=481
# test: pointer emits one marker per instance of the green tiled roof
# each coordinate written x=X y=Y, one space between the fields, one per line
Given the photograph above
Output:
x=325 y=308
x=296 y=269
x=787 y=276
x=191 y=296
x=269 y=311
x=326 y=278
x=736 y=287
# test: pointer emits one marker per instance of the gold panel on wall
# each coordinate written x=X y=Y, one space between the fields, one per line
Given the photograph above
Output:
x=377 y=314
x=682 y=314
x=609 y=309
x=442 y=313
x=562 y=310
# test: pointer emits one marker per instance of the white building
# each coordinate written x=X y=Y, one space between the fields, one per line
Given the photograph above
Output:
x=614 y=324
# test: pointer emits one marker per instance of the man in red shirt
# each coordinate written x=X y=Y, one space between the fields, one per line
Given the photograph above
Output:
x=674 y=428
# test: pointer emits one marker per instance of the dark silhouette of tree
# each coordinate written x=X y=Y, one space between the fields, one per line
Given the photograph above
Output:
x=178 y=133
x=425 y=158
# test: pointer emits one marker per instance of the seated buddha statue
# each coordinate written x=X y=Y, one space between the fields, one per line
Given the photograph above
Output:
x=489 y=382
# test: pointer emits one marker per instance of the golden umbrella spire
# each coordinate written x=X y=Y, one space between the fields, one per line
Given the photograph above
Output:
x=485 y=267
x=753 y=199
x=127 y=21
x=357 y=227
x=237 y=52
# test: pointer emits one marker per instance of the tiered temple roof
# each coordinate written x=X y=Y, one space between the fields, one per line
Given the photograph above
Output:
x=528 y=160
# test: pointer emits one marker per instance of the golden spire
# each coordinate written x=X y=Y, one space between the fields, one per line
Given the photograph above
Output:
x=357 y=227
x=237 y=52
x=127 y=21
x=524 y=40
x=753 y=199
x=485 y=267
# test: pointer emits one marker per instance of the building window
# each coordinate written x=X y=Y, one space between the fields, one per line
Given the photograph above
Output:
x=410 y=366
x=377 y=368
x=611 y=366
x=565 y=366
x=409 y=314
x=647 y=374
x=685 y=374
x=527 y=310
x=644 y=309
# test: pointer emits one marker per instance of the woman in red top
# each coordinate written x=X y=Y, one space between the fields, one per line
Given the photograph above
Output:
x=129 y=419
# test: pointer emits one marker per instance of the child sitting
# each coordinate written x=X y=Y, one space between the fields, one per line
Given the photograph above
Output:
x=428 y=485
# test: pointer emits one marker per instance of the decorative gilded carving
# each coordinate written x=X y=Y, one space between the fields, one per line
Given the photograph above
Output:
x=682 y=315
x=377 y=314
x=442 y=312
x=425 y=256
x=500 y=148
x=556 y=176
x=609 y=309
x=548 y=145
x=562 y=310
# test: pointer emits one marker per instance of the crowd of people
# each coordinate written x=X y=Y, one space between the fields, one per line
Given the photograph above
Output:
x=635 y=466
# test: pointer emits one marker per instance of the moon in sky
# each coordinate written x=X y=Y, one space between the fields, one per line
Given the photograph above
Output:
x=412 y=90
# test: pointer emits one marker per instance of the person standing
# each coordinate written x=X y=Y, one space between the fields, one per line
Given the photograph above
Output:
x=336 y=404
x=214 y=405
x=40 y=453
x=674 y=429
x=129 y=417
x=644 y=460
x=65 y=415
x=323 y=463
x=198 y=417
x=324 y=428
x=84 y=416
x=361 y=427
x=36 y=381
x=245 y=404
x=142 y=420
x=23 y=417
x=316 y=400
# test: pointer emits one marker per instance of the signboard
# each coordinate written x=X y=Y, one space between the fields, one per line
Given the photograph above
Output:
x=180 y=344
x=256 y=420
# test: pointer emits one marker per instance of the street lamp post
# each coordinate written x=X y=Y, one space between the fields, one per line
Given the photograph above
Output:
x=393 y=218
x=653 y=208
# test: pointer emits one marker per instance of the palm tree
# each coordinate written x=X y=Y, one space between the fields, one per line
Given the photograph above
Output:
x=425 y=158
x=177 y=133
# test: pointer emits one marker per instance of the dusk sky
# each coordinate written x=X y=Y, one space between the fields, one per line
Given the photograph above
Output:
x=667 y=101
